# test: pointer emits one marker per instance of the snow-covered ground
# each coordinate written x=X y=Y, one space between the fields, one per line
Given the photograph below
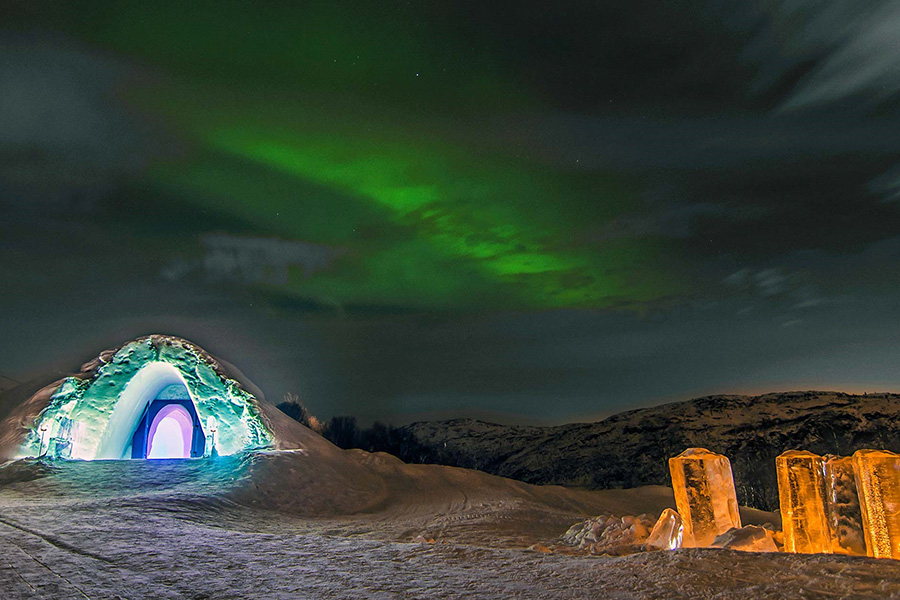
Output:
x=341 y=525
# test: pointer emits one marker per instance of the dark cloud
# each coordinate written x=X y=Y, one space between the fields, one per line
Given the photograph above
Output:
x=66 y=139
x=251 y=260
x=849 y=49
x=614 y=55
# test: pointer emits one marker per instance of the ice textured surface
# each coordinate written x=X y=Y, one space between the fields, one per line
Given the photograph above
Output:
x=90 y=418
x=801 y=492
x=704 y=495
x=878 y=480
x=668 y=532
x=844 y=517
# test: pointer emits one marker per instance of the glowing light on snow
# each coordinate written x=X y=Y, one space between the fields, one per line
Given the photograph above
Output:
x=211 y=427
x=170 y=434
x=43 y=429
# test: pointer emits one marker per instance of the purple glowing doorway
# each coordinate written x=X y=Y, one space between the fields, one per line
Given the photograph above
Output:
x=170 y=433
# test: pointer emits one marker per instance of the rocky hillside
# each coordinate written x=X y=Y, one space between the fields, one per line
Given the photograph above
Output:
x=631 y=449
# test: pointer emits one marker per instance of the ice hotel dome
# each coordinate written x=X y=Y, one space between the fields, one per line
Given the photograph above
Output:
x=154 y=397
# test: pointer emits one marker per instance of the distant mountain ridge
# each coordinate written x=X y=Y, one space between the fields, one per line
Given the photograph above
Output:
x=632 y=448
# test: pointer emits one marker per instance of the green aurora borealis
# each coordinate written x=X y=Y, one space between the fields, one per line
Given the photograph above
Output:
x=307 y=125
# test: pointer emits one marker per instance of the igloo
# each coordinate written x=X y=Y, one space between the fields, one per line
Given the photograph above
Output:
x=154 y=397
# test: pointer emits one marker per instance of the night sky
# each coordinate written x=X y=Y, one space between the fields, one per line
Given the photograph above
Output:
x=520 y=211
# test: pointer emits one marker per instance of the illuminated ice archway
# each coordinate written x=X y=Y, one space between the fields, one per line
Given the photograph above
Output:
x=171 y=433
x=153 y=397
x=134 y=400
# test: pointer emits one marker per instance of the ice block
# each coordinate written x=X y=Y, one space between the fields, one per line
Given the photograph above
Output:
x=668 y=532
x=842 y=506
x=801 y=494
x=704 y=495
x=878 y=484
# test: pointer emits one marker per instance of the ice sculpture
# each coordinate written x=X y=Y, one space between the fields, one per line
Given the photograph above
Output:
x=877 y=475
x=96 y=417
x=668 y=532
x=842 y=506
x=704 y=495
x=801 y=494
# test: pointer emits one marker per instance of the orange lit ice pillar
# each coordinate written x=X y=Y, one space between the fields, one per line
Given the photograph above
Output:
x=878 y=482
x=842 y=503
x=801 y=493
x=704 y=495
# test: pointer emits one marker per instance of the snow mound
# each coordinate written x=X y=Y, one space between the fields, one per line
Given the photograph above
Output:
x=611 y=535
x=750 y=538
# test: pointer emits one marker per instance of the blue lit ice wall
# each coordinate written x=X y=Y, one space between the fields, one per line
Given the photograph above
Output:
x=96 y=418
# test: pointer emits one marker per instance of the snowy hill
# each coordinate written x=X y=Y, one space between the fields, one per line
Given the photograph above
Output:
x=631 y=449
x=319 y=522
x=325 y=523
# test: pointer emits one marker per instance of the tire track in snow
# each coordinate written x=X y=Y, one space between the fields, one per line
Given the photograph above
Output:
x=56 y=542
x=47 y=567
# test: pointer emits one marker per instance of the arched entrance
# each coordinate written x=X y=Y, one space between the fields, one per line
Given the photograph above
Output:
x=170 y=433
x=169 y=428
